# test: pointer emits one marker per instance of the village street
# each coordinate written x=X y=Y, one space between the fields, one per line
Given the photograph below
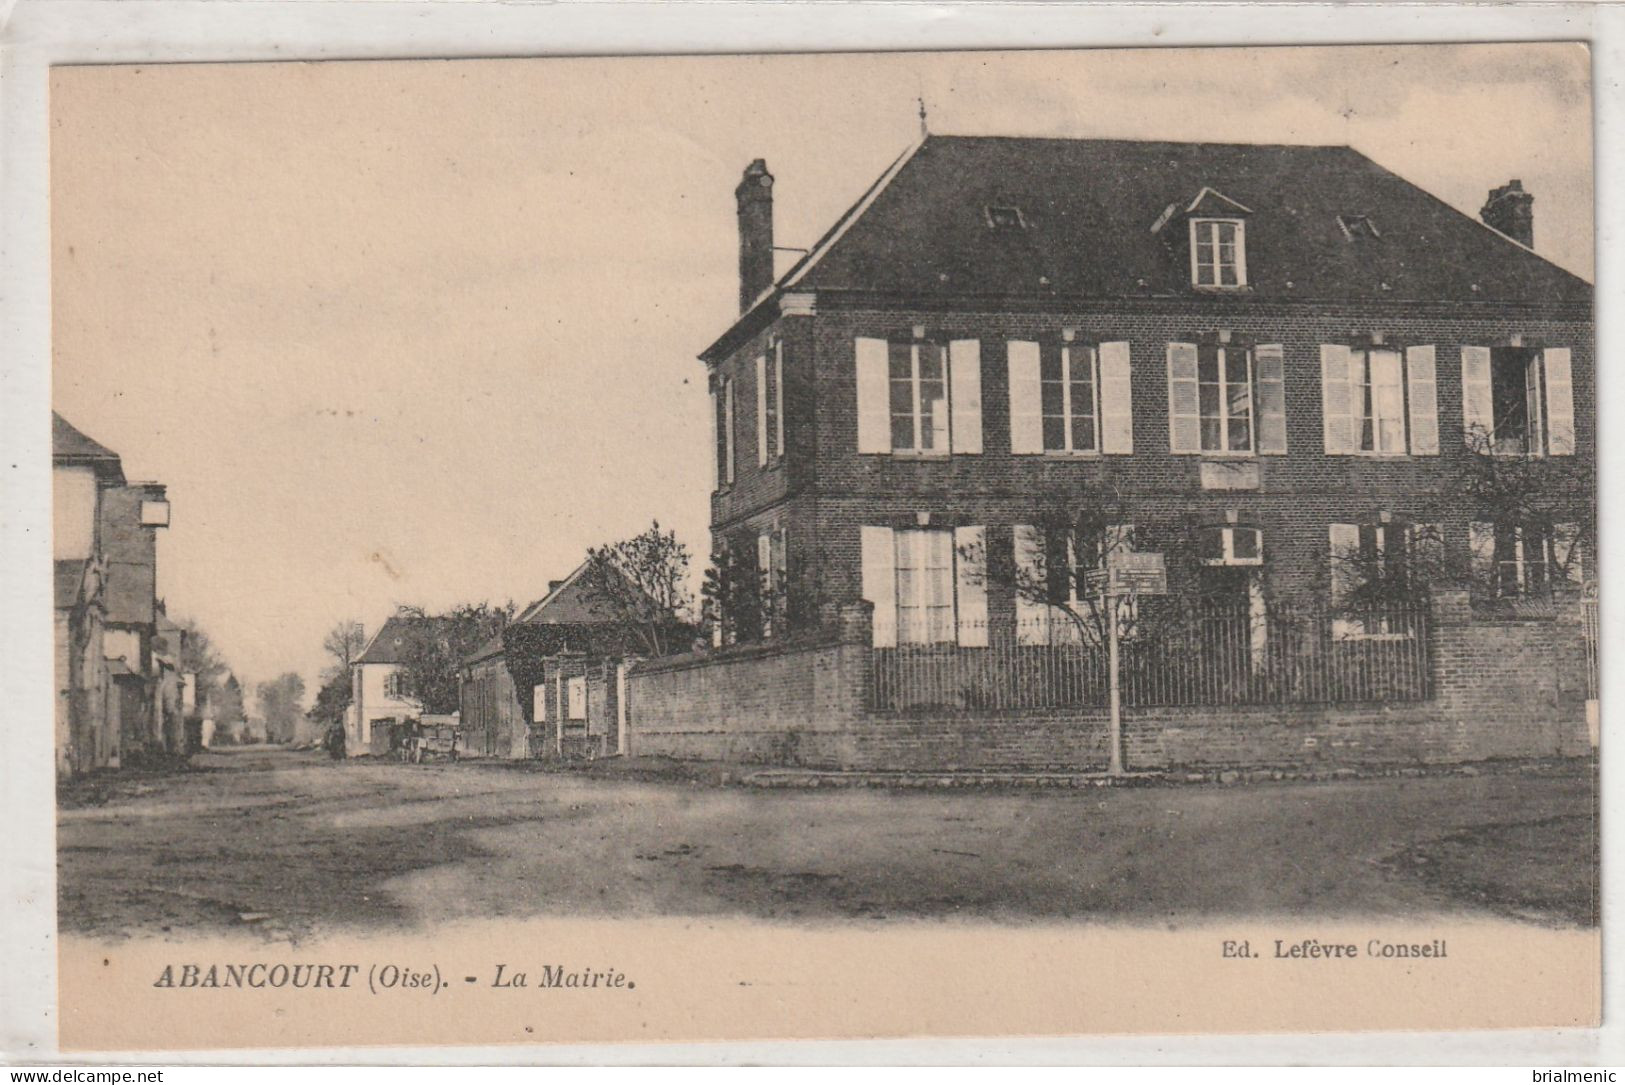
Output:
x=291 y=843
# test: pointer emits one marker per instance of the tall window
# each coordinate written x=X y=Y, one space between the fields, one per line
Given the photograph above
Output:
x=918 y=373
x=1518 y=400
x=925 y=586
x=770 y=405
x=1378 y=378
x=1218 y=252
x=919 y=396
x=1070 y=399
x=1379 y=400
x=1225 y=397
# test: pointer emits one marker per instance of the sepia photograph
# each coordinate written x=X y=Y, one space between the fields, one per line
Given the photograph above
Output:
x=599 y=525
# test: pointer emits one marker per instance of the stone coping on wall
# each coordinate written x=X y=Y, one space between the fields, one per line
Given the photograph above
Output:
x=733 y=653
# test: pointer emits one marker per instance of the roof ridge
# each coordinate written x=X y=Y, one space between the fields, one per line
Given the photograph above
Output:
x=1141 y=141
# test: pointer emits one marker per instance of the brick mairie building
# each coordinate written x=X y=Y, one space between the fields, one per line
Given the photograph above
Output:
x=1268 y=357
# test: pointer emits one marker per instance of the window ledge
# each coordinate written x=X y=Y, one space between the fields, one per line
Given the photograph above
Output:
x=1061 y=454
x=906 y=454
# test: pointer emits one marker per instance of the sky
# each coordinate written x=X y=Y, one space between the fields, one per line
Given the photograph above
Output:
x=422 y=331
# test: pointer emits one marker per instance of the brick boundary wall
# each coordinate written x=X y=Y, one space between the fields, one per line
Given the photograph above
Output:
x=1503 y=688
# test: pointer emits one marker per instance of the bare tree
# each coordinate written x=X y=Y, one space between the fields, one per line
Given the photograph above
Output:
x=641 y=583
x=344 y=643
x=1074 y=531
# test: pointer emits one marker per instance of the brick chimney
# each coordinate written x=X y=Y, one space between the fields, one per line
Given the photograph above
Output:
x=755 y=196
x=1512 y=211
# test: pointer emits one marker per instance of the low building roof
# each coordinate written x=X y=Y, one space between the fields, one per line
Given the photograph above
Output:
x=70 y=445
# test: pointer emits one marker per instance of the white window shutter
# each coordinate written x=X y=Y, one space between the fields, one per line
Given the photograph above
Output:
x=1337 y=399
x=970 y=564
x=1184 y=420
x=761 y=410
x=965 y=394
x=716 y=452
x=1116 y=399
x=1271 y=399
x=880 y=582
x=1032 y=615
x=729 y=422
x=764 y=558
x=1477 y=403
x=1345 y=550
x=874 y=396
x=1026 y=406
x=1421 y=374
x=1559 y=401
x=778 y=396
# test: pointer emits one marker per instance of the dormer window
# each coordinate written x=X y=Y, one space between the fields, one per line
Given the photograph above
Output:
x=1218 y=253
x=1005 y=218
x=1357 y=227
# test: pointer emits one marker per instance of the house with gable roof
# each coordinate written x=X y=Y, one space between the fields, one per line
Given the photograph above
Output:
x=552 y=684
x=380 y=692
x=110 y=698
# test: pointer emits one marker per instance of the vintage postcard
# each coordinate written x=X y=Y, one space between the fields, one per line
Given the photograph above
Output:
x=824 y=546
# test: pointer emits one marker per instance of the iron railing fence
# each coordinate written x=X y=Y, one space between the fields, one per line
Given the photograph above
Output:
x=1201 y=655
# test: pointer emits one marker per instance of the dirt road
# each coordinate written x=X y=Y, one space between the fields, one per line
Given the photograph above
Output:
x=290 y=842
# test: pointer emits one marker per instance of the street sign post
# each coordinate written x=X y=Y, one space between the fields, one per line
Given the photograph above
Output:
x=1130 y=574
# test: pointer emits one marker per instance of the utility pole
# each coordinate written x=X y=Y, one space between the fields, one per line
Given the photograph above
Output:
x=1114 y=733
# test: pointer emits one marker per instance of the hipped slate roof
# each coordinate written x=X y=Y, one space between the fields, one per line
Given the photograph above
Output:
x=1089 y=206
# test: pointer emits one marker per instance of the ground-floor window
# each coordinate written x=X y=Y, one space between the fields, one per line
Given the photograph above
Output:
x=1524 y=559
x=927 y=584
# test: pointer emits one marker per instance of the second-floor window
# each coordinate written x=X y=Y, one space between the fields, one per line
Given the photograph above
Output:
x=1518 y=400
x=1379 y=400
x=770 y=405
x=395 y=686
x=1226 y=398
x=918 y=395
x=1218 y=252
x=918 y=374
x=1069 y=396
